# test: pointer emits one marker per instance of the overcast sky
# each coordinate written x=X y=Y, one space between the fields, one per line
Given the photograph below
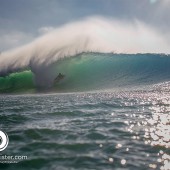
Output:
x=21 y=21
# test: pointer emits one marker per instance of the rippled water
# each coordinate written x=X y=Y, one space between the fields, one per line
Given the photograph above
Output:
x=101 y=130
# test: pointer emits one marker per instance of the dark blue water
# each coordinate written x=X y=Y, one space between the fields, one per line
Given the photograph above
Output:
x=119 y=130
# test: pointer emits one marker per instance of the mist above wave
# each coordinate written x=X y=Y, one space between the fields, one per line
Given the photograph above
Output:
x=92 y=34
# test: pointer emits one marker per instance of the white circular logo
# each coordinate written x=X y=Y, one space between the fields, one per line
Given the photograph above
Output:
x=3 y=140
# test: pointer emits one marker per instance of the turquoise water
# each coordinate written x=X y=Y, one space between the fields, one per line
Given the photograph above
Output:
x=81 y=131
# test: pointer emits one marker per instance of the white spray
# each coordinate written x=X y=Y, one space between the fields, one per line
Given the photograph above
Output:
x=92 y=34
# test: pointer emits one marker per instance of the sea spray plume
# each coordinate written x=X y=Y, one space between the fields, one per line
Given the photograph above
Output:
x=93 y=34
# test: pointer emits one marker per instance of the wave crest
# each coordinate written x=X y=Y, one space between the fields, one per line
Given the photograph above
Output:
x=90 y=35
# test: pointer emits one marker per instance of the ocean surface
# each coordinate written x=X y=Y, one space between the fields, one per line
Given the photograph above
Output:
x=110 y=112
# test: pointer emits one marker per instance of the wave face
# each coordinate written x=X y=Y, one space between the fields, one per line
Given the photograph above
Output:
x=17 y=82
x=91 y=71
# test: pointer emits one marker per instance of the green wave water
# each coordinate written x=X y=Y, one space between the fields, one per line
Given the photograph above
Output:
x=17 y=82
x=91 y=71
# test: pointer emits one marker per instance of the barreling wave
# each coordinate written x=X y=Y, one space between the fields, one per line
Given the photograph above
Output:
x=90 y=35
x=91 y=71
x=70 y=50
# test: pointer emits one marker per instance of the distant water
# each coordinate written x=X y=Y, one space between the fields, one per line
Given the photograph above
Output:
x=119 y=130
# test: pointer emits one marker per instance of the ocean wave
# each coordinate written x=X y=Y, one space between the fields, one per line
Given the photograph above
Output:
x=94 y=34
x=91 y=71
